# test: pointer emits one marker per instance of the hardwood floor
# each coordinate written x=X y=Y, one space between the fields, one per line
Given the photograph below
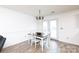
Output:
x=24 y=47
x=68 y=47
x=55 y=47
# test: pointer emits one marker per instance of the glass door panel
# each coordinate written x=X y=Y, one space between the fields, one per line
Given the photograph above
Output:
x=53 y=29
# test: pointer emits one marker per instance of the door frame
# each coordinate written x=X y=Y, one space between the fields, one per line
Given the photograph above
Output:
x=57 y=24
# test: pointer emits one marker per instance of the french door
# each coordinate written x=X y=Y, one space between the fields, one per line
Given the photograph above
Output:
x=50 y=27
x=53 y=29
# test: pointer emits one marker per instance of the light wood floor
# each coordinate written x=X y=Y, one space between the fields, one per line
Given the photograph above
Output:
x=24 y=47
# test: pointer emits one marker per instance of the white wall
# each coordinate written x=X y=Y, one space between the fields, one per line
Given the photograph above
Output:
x=39 y=25
x=69 y=21
x=15 y=25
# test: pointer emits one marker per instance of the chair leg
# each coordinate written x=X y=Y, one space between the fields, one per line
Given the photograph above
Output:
x=47 y=45
x=42 y=45
x=31 y=42
x=35 y=44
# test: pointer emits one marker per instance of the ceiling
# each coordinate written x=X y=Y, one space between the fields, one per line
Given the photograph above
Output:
x=45 y=9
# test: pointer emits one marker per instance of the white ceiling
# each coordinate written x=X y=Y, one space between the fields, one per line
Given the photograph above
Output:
x=45 y=9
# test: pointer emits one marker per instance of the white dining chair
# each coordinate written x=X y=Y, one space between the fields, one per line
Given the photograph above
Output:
x=29 y=35
x=34 y=40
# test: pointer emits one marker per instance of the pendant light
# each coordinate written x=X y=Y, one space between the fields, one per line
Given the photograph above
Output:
x=39 y=17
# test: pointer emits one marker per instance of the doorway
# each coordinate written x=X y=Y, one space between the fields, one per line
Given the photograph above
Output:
x=53 y=29
x=50 y=27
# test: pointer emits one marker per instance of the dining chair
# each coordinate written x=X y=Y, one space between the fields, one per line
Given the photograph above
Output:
x=30 y=37
x=35 y=41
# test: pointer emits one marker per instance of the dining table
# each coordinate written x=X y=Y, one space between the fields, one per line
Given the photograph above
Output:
x=42 y=39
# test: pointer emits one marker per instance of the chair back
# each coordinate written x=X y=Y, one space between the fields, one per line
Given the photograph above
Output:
x=39 y=34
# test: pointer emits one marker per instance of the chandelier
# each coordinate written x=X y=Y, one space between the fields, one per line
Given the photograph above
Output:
x=39 y=17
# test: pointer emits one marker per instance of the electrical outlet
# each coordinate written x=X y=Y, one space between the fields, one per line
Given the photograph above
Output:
x=67 y=37
x=61 y=28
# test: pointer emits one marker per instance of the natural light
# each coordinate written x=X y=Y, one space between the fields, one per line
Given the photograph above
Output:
x=52 y=26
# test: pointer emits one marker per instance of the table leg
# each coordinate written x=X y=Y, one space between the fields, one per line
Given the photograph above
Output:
x=42 y=44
